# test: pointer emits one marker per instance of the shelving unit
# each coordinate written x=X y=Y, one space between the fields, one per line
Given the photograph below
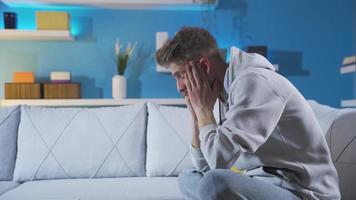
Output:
x=88 y=102
x=14 y=34
x=348 y=103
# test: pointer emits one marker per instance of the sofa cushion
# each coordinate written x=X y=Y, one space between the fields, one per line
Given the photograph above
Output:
x=169 y=132
x=7 y=186
x=59 y=143
x=98 y=189
x=9 y=121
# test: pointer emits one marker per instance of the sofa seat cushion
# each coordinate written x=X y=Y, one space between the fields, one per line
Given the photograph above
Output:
x=60 y=143
x=7 y=186
x=110 y=188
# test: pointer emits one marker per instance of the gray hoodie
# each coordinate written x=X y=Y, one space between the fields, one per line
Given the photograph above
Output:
x=269 y=130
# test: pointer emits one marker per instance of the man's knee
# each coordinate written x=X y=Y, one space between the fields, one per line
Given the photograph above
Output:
x=214 y=186
x=189 y=175
x=188 y=182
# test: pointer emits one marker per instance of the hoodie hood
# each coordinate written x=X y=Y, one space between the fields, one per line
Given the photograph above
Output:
x=240 y=61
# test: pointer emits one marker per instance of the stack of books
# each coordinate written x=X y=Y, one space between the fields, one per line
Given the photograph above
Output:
x=348 y=65
x=23 y=86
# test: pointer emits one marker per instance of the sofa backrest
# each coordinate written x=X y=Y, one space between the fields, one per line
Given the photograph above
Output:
x=111 y=142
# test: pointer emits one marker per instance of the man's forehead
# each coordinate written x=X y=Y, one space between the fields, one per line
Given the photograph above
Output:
x=176 y=68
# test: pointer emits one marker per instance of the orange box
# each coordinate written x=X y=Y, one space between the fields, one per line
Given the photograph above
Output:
x=23 y=77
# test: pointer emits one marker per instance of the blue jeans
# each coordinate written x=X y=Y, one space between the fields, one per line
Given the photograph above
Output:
x=223 y=184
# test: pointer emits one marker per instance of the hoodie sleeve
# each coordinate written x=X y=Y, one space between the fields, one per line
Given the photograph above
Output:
x=255 y=109
x=198 y=160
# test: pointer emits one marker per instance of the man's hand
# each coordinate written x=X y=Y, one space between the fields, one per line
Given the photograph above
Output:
x=201 y=94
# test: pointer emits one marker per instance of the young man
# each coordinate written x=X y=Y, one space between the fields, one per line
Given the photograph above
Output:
x=268 y=128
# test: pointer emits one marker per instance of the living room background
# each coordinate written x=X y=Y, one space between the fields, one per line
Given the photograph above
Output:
x=308 y=39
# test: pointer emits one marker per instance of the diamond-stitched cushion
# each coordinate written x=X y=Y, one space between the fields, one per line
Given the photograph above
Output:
x=324 y=114
x=169 y=131
x=9 y=122
x=59 y=143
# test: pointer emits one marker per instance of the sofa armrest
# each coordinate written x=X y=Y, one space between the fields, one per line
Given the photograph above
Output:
x=341 y=138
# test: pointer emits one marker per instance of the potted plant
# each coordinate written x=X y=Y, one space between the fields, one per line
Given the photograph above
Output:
x=119 y=80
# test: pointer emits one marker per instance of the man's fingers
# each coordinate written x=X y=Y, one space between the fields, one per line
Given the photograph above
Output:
x=187 y=83
x=187 y=101
x=197 y=76
x=190 y=77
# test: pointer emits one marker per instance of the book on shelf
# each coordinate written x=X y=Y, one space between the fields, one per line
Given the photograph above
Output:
x=348 y=69
x=349 y=60
x=60 y=77
x=348 y=65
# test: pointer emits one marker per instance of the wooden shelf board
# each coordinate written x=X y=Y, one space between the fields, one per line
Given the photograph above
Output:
x=15 y=34
x=348 y=103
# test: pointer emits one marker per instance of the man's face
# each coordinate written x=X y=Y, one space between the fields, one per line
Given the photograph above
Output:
x=179 y=71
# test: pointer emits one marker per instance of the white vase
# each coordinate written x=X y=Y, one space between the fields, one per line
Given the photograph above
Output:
x=119 y=87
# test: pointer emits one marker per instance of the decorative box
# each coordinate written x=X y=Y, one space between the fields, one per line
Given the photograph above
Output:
x=23 y=77
x=23 y=91
x=61 y=90
x=52 y=20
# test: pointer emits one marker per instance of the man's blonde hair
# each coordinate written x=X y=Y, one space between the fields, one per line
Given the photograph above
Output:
x=188 y=44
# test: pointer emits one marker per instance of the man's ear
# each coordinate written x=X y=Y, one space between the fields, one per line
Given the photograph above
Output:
x=205 y=64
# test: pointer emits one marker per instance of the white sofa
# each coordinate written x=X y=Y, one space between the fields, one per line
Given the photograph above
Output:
x=128 y=152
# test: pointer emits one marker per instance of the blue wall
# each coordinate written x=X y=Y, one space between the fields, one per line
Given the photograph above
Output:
x=308 y=39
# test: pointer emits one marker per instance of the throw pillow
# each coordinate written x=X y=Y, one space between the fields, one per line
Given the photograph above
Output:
x=60 y=143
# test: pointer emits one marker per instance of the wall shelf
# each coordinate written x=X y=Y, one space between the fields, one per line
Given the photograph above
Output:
x=348 y=103
x=88 y=102
x=14 y=34
x=121 y=4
